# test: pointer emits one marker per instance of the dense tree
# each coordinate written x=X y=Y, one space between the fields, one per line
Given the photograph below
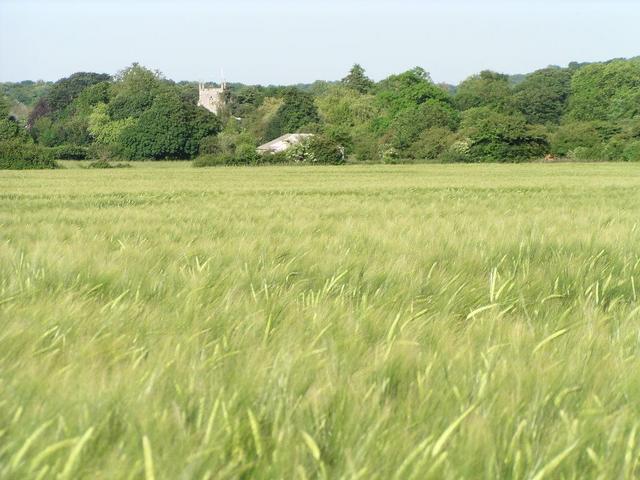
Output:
x=587 y=111
x=26 y=92
x=488 y=89
x=64 y=91
x=346 y=107
x=606 y=91
x=542 y=96
x=500 y=137
x=408 y=89
x=162 y=131
x=297 y=110
x=409 y=123
x=357 y=80
x=5 y=106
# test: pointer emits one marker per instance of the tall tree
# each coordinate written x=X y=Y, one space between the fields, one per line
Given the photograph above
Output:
x=488 y=89
x=357 y=80
x=542 y=96
x=297 y=110
x=606 y=91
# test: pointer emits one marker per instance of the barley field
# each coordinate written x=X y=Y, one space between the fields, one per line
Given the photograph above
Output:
x=357 y=322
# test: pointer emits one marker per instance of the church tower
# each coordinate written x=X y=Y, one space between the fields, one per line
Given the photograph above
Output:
x=212 y=98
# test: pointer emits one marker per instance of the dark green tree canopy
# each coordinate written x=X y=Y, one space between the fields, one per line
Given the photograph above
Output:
x=357 y=80
x=64 y=91
x=606 y=91
x=543 y=95
x=297 y=110
x=488 y=89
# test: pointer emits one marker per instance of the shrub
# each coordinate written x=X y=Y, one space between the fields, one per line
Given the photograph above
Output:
x=300 y=153
x=277 y=158
x=107 y=164
x=366 y=147
x=16 y=155
x=458 y=152
x=246 y=154
x=432 y=143
x=325 y=150
x=573 y=135
x=632 y=152
x=500 y=137
x=70 y=152
x=214 y=160
x=209 y=145
x=9 y=129
x=389 y=154
x=584 y=153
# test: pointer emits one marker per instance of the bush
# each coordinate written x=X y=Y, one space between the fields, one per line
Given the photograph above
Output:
x=102 y=152
x=366 y=147
x=277 y=158
x=214 y=160
x=246 y=154
x=16 y=155
x=389 y=155
x=106 y=164
x=325 y=150
x=70 y=152
x=572 y=135
x=458 y=152
x=500 y=137
x=585 y=154
x=300 y=153
x=432 y=143
x=632 y=152
x=9 y=129
x=209 y=145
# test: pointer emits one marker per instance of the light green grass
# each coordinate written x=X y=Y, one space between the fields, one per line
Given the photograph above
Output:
x=343 y=322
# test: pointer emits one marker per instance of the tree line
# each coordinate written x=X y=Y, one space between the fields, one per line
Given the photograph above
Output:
x=581 y=112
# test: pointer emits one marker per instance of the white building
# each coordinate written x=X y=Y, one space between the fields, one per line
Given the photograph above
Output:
x=284 y=142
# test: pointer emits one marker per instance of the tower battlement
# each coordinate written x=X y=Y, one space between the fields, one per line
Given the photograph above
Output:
x=211 y=98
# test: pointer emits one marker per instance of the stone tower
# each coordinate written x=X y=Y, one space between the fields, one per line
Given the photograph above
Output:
x=211 y=98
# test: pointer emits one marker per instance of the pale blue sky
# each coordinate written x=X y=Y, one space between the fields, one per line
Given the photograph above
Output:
x=286 y=41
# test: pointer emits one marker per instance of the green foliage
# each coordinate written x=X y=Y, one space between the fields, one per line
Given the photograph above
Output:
x=344 y=107
x=70 y=152
x=106 y=164
x=606 y=91
x=209 y=145
x=487 y=89
x=5 y=106
x=103 y=129
x=500 y=137
x=585 y=110
x=357 y=80
x=26 y=92
x=631 y=151
x=213 y=160
x=543 y=95
x=300 y=153
x=432 y=143
x=408 y=124
x=298 y=110
x=64 y=91
x=10 y=129
x=203 y=124
x=574 y=135
x=162 y=131
x=326 y=150
x=408 y=89
x=19 y=155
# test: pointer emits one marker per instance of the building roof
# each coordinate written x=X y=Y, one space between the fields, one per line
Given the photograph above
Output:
x=284 y=142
